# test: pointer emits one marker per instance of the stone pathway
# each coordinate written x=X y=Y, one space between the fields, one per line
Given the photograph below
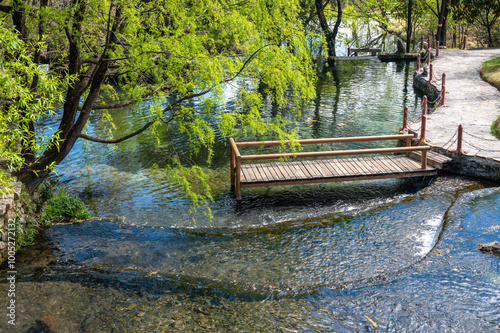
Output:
x=471 y=102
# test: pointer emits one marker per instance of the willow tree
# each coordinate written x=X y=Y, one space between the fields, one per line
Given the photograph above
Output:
x=166 y=52
x=329 y=33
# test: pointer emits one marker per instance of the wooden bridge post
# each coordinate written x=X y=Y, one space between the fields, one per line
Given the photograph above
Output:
x=233 y=163
x=235 y=168
x=424 y=159
x=424 y=119
x=238 y=177
x=405 y=125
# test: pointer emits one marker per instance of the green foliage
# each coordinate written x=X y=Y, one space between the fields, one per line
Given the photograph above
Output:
x=6 y=181
x=21 y=103
x=47 y=191
x=26 y=232
x=63 y=208
x=26 y=222
x=482 y=13
x=194 y=182
x=176 y=58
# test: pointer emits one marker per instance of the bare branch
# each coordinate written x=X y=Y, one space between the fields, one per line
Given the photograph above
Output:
x=432 y=9
x=94 y=139
x=245 y=64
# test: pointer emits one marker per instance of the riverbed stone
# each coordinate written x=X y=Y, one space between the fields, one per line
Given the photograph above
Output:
x=493 y=247
x=46 y=324
x=9 y=215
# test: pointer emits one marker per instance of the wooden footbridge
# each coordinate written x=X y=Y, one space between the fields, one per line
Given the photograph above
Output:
x=292 y=171
x=356 y=51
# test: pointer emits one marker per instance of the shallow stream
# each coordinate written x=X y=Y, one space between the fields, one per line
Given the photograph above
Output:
x=387 y=255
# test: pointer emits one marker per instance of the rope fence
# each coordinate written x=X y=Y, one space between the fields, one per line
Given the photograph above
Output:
x=457 y=140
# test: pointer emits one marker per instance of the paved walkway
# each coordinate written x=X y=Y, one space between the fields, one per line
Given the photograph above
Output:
x=471 y=102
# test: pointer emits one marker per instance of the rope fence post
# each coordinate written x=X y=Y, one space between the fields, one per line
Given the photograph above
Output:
x=428 y=57
x=460 y=138
x=437 y=49
x=424 y=119
x=443 y=90
x=429 y=42
x=431 y=78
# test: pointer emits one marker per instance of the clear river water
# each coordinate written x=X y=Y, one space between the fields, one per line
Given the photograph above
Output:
x=386 y=255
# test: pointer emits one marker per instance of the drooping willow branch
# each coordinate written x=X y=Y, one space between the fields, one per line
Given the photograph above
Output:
x=170 y=107
x=148 y=124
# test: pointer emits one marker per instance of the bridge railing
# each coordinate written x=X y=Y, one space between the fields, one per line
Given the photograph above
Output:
x=237 y=158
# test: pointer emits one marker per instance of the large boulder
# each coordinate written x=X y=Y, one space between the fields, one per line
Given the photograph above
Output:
x=401 y=46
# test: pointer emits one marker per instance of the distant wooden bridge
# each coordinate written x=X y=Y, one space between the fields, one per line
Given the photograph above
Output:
x=356 y=51
x=292 y=172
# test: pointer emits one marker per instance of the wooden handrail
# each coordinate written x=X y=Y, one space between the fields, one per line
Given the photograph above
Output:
x=328 y=140
x=335 y=153
x=234 y=147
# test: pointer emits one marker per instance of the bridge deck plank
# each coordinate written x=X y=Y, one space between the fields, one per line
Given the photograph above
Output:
x=332 y=170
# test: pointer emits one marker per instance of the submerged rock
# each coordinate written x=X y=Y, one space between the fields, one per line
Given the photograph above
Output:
x=493 y=247
x=45 y=324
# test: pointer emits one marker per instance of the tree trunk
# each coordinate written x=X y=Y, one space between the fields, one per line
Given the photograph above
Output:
x=71 y=126
x=19 y=19
x=442 y=18
x=490 y=37
x=330 y=35
x=408 y=28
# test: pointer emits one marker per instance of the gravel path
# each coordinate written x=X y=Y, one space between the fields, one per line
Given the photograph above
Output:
x=471 y=102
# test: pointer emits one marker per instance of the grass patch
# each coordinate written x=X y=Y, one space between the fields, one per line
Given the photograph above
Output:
x=490 y=72
x=495 y=128
x=64 y=208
